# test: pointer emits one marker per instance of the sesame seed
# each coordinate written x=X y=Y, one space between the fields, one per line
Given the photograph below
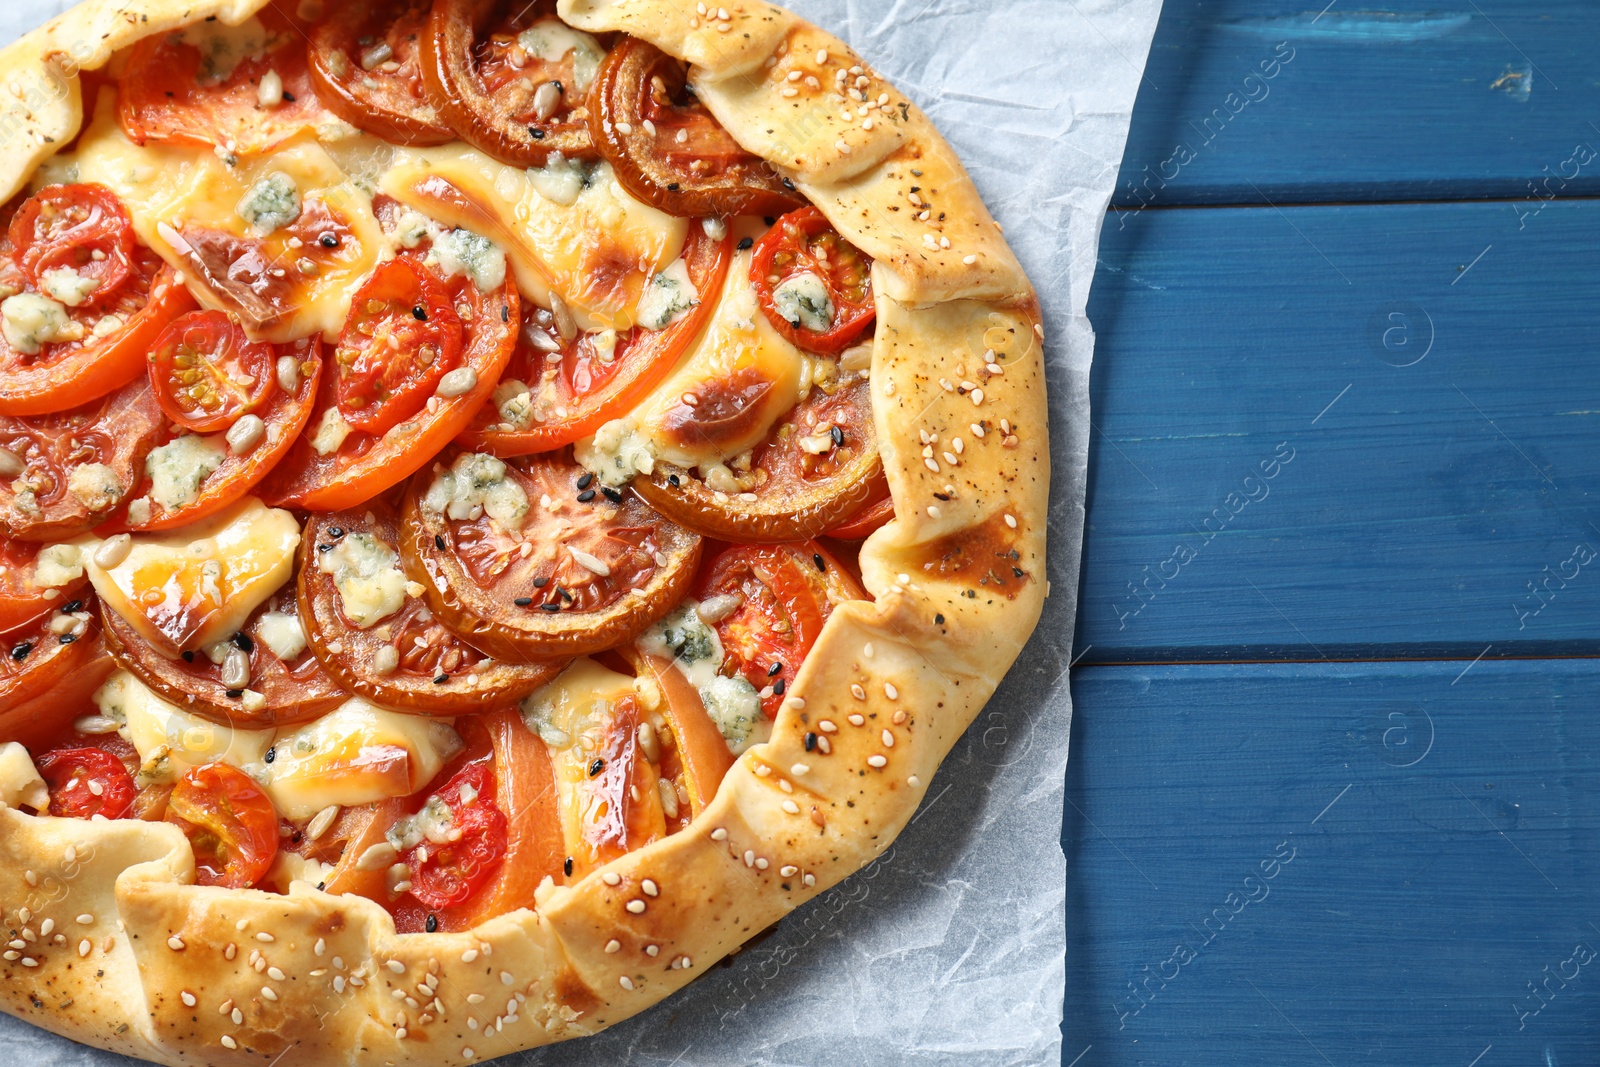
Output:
x=809 y=879
x=977 y=397
x=505 y=978
x=265 y=937
x=636 y=906
x=719 y=834
x=276 y=974
x=31 y=878
x=650 y=888
x=827 y=726
x=877 y=761
x=268 y=992
x=888 y=738
x=749 y=857
x=799 y=769
x=791 y=807
x=652 y=950
x=611 y=878
x=469 y=955
x=613 y=945
x=175 y=943
x=228 y=1042
x=796 y=703
x=857 y=720
x=890 y=691
x=397 y=967
x=626 y=983
x=822 y=56
x=467 y=1054
x=788 y=870
x=84 y=946
x=931 y=465
x=977 y=429
x=46 y=927
x=914 y=782
x=969 y=260
x=825 y=745
x=934 y=512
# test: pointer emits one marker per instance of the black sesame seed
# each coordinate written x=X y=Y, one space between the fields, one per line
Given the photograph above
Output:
x=778 y=687
x=584 y=482
x=21 y=651
x=67 y=639
x=941 y=496
x=188 y=655
x=597 y=766
x=586 y=496
x=328 y=240
x=272 y=754
x=768 y=219
x=811 y=742
x=336 y=532
x=536 y=133
x=789 y=185
x=441 y=679
x=322 y=885
x=523 y=601
x=324 y=548
x=288 y=98
x=838 y=436
x=822 y=565
x=554 y=606
x=567 y=867
x=672 y=187
x=432 y=925
x=541 y=582
x=234 y=694
x=672 y=480
x=745 y=243
x=938 y=620
x=438 y=542
x=613 y=495
x=242 y=642
x=774 y=669
x=563 y=594
x=75 y=605
x=419 y=313
x=1017 y=572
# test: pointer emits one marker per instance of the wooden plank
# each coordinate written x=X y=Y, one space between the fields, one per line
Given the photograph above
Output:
x=1268 y=479
x=1334 y=863
x=1246 y=100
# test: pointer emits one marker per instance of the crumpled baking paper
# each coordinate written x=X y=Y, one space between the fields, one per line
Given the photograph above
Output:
x=950 y=948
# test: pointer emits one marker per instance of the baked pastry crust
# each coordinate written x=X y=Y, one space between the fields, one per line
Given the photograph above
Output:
x=123 y=952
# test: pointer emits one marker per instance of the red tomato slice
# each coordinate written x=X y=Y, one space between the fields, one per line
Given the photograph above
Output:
x=22 y=598
x=401 y=337
x=206 y=373
x=785 y=593
x=169 y=93
x=364 y=464
x=575 y=388
x=46 y=679
x=448 y=873
x=866 y=522
x=231 y=825
x=700 y=752
x=804 y=242
x=65 y=374
x=239 y=472
x=81 y=228
x=366 y=69
x=85 y=782
x=44 y=503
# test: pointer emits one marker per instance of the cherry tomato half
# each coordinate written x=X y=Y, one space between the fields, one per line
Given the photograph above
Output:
x=448 y=873
x=674 y=155
x=85 y=782
x=401 y=337
x=230 y=822
x=366 y=68
x=206 y=373
x=81 y=228
x=801 y=259
x=786 y=593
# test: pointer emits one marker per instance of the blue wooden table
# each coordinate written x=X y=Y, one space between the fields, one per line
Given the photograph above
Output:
x=1334 y=794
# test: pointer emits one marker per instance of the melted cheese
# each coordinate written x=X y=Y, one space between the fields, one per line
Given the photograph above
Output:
x=355 y=754
x=170 y=740
x=743 y=375
x=597 y=252
x=186 y=204
x=197 y=585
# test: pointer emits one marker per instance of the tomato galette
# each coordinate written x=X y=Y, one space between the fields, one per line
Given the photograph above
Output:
x=499 y=504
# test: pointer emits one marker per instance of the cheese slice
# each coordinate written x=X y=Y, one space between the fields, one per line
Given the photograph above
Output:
x=170 y=740
x=733 y=384
x=197 y=585
x=355 y=754
x=251 y=236
x=596 y=252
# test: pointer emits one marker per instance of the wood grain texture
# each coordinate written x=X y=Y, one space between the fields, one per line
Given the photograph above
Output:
x=1270 y=479
x=1252 y=100
x=1334 y=864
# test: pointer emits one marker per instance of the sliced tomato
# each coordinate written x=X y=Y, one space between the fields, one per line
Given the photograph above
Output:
x=231 y=825
x=85 y=782
x=206 y=373
x=114 y=338
x=699 y=756
x=446 y=873
x=408 y=661
x=401 y=337
x=785 y=594
x=803 y=247
x=572 y=388
x=81 y=228
x=170 y=92
x=366 y=68
x=819 y=466
x=49 y=500
x=284 y=415
x=357 y=830
x=47 y=678
x=868 y=520
x=293 y=691
x=666 y=148
x=22 y=597
x=585 y=572
x=491 y=89
x=364 y=465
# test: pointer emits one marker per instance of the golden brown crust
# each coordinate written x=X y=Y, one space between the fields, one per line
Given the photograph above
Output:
x=958 y=576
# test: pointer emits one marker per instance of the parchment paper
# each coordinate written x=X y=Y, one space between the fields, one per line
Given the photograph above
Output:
x=950 y=948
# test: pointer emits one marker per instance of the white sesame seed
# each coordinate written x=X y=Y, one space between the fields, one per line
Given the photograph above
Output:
x=828 y=726
x=84 y=946
x=31 y=878
x=613 y=945
x=822 y=56
x=505 y=978
x=934 y=512
x=808 y=879
x=467 y=1054
x=1011 y=521
x=263 y=936
x=799 y=769
x=797 y=703
x=719 y=834
x=877 y=761
x=626 y=983
x=888 y=738
x=320 y=947
x=788 y=870
x=241 y=924
x=761 y=864
x=228 y=1042
x=652 y=950
x=86 y=919
x=268 y=992
x=469 y=955
x=914 y=782
x=931 y=465
x=791 y=807
x=977 y=430
x=397 y=967
x=890 y=691
x=46 y=927
x=276 y=974
x=969 y=260
x=650 y=889
x=857 y=720
x=611 y=878
x=11 y=954
x=749 y=857
x=175 y=943
x=636 y=906
x=826 y=746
